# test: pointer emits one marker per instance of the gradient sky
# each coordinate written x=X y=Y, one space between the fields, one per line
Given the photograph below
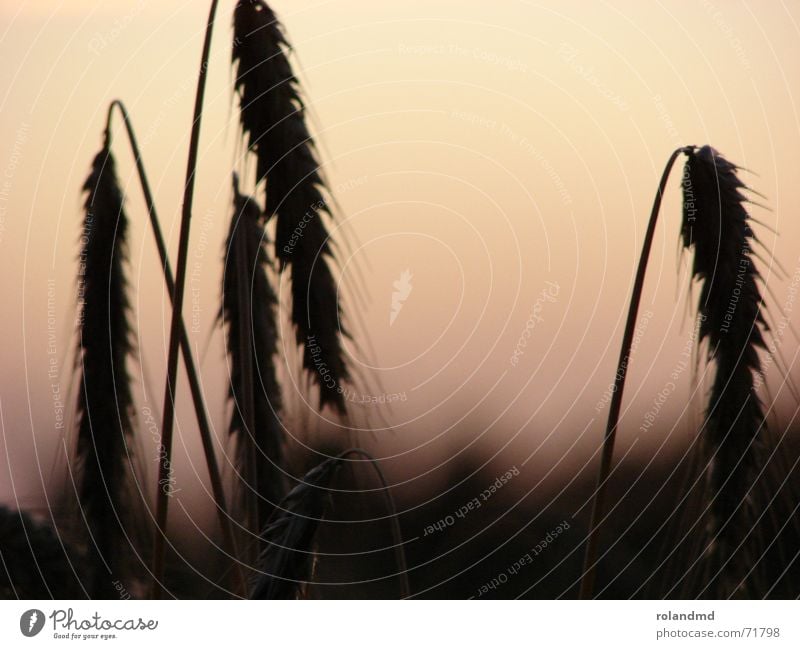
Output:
x=493 y=151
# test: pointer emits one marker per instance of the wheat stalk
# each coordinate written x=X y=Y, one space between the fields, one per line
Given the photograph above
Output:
x=598 y=501
x=165 y=465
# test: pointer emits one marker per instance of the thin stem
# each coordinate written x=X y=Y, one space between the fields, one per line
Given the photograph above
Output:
x=191 y=371
x=246 y=384
x=397 y=534
x=590 y=559
x=165 y=465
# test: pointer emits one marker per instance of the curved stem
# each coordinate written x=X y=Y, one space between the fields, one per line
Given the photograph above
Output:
x=165 y=465
x=590 y=559
x=191 y=371
x=397 y=534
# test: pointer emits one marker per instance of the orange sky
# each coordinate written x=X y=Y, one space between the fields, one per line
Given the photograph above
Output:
x=492 y=151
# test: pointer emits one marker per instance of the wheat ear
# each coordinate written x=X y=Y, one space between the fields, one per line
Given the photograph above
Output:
x=273 y=122
x=248 y=312
x=716 y=227
x=286 y=560
x=105 y=417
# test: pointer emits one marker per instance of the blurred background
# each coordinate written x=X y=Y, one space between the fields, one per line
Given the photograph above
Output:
x=501 y=159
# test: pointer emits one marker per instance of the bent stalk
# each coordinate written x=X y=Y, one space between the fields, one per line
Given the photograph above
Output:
x=397 y=534
x=191 y=371
x=590 y=558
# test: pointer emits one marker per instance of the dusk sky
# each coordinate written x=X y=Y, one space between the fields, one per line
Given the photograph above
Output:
x=504 y=155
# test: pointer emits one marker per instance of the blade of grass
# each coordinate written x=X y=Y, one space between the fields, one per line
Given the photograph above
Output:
x=191 y=371
x=590 y=559
x=162 y=503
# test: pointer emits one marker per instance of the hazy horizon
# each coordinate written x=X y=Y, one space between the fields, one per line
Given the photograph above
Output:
x=505 y=159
